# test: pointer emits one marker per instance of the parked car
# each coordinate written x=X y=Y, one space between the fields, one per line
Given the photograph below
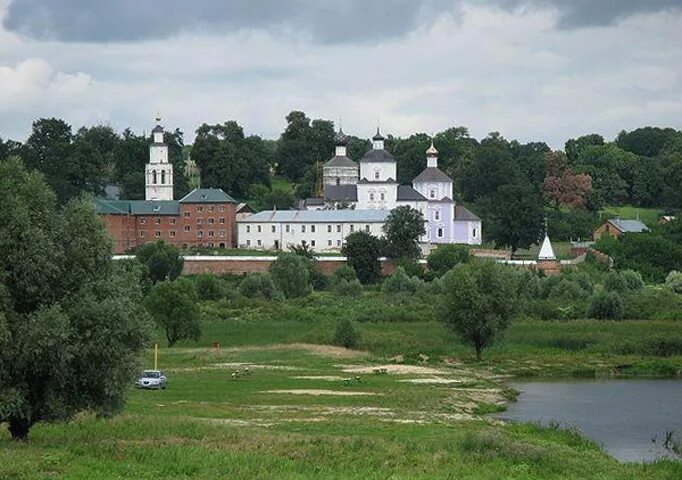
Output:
x=153 y=379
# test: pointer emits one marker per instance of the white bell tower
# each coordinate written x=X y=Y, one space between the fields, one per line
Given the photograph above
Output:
x=158 y=173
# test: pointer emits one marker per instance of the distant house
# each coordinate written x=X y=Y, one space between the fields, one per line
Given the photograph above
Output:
x=617 y=227
x=666 y=219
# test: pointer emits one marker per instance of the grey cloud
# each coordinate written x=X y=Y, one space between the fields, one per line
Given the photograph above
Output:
x=341 y=21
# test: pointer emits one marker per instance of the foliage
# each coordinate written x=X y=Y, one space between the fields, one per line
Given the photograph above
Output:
x=346 y=334
x=302 y=144
x=606 y=306
x=345 y=272
x=173 y=305
x=163 y=261
x=674 y=281
x=623 y=281
x=445 y=257
x=362 y=251
x=71 y=325
x=564 y=225
x=209 y=287
x=564 y=187
x=400 y=284
x=480 y=300
x=259 y=285
x=291 y=274
x=348 y=288
x=652 y=303
x=264 y=198
x=403 y=228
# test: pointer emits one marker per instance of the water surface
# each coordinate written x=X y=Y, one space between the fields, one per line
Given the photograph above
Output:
x=629 y=417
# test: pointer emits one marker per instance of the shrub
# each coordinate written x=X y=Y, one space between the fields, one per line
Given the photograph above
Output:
x=259 y=285
x=291 y=274
x=209 y=287
x=568 y=289
x=445 y=257
x=606 y=306
x=400 y=283
x=655 y=346
x=674 y=281
x=347 y=288
x=346 y=334
x=652 y=303
x=624 y=281
x=344 y=273
x=163 y=261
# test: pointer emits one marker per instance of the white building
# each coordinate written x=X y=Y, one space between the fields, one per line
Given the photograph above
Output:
x=158 y=176
x=323 y=230
x=340 y=170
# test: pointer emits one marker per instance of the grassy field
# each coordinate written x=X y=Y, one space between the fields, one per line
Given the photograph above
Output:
x=296 y=415
x=649 y=216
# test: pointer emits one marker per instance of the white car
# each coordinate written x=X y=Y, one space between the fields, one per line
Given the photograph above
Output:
x=154 y=379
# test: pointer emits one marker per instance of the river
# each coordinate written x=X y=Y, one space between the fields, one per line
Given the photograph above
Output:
x=628 y=417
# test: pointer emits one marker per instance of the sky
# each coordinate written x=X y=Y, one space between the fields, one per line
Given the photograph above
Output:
x=533 y=70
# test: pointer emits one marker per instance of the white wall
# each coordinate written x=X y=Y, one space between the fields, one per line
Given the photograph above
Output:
x=384 y=171
x=158 y=154
x=377 y=196
x=271 y=234
x=440 y=190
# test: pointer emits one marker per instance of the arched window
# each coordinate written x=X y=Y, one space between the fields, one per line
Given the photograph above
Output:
x=163 y=177
x=338 y=181
x=154 y=176
x=376 y=175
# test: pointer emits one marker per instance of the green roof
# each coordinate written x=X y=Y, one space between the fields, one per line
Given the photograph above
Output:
x=207 y=195
x=137 y=207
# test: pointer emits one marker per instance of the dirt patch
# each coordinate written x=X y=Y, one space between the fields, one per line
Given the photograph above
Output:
x=434 y=381
x=255 y=422
x=318 y=392
x=327 y=378
x=234 y=366
x=315 y=349
x=391 y=368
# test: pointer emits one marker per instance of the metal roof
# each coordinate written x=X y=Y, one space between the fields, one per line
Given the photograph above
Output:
x=432 y=174
x=341 y=162
x=629 y=226
x=105 y=206
x=157 y=129
x=137 y=207
x=377 y=156
x=463 y=214
x=207 y=195
x=348 y=193
x=318 y=216
x=405 y=192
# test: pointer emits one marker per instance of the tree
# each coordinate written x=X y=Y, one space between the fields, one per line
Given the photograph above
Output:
x=294 y=154
x=346 y=335
x=444 y=258
x=131 y=154
x=209 y=287
x=362 y=251
x=403 y=228
x=479 y=302
x=647 y=141
x=62 y=298
x=173 y=305
x=564 y=187
x=163 y=261
x=400 y=285
x=606 y=306
x=257 y=285
x=291 y=274
x=576 y=146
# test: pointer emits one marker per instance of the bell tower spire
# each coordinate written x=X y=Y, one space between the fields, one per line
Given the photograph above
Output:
x=159 y=171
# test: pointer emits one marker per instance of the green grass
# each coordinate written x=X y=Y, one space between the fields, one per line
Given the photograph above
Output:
x=649 y=216
x=280 y=183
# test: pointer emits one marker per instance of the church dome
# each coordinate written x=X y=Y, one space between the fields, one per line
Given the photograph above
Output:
x=432 y=152
x=340 y=138
x=378 y=136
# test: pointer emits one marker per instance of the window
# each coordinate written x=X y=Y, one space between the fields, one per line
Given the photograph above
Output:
x=154 y=176
x=260 y=228
x=200 y=233
x=352 y=228
x=329 y=229
x=211 y=233
x=172 y=221
x=248 y=243
x=436 y=215
x=157 y=234
x=259 y=242
x=376 y=175
x=143 y=234
x=187 y=228
x=210 y=208
x=312 y=243
x=273 y=229
x=221 y=208
x=210 y=221
x=163 y=177
x=440 y=233
x=383 y=196
x=474 y=233
x=312 y=229
x=222 y=220
x=329 y=243
x=172 y=233
x=371 y=197
x=143 y=221
x=221 y=233
x=200 y=221
x=248 y=229
x=187 y=214
x=366 y=228
x=302 y=228
x=200 y=209
x=157 y=220
x=211 y=244
x=338 y=229
x=338 y=243
x=288 y=228
x=432 y=194
x=338 y=181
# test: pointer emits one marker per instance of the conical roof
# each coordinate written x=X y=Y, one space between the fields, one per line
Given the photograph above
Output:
x=546 y=250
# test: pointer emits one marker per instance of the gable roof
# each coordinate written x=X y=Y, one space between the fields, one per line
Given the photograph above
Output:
x=207 y=195
x=377 y=156
x=407 y=193
x=463 y=214
x=432 y=174
x=348 y=193
x=628 y=226
x=340 y=162
x=136 y=207
x=317 y=216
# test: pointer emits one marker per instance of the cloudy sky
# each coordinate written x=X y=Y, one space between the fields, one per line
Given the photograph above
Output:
x=542 y=70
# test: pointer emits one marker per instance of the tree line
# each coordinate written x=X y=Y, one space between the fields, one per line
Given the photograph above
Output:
x=512 y=186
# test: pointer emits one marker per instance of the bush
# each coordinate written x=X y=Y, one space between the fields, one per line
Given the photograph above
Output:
x=606 y=306
x=346 y=334
x=445 y=257
x=674 y=281
x=259 y=285
x=347 y=288
x=400 y=283
x=209 y=287
x=291 y=274
x=652 y=303
x=344 y=273
x=624 y=281
x=654 y=346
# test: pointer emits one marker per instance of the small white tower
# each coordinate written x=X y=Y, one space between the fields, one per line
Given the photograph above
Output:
x=159 y=171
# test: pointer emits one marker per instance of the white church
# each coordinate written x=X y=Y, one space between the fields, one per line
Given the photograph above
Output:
x=360 y=197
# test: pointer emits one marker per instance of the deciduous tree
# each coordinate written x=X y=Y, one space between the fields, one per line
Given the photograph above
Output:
x=403 y=228
x=362 y=250
x=173 y=305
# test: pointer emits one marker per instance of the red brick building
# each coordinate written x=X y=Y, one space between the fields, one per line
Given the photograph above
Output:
x=205 y=217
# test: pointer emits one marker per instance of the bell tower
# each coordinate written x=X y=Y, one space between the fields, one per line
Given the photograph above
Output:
x=159 y=171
